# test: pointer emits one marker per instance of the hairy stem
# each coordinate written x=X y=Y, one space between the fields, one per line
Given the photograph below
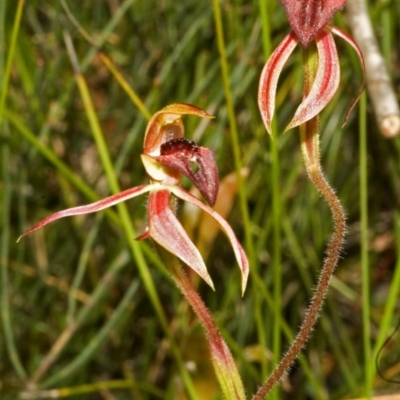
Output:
x=332 y=256
x=310 y=148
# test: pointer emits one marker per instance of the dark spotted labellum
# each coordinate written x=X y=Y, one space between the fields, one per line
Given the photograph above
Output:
x=180 y=145
x=308 y=17
x=180 y=154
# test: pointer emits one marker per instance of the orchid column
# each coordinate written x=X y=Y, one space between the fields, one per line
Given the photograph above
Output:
x=309 y=19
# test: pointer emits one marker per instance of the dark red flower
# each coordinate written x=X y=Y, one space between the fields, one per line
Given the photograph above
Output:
x=167 y=155
x=326 y=81
x=309 y=17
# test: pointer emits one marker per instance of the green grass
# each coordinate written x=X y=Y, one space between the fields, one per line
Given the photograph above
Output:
x=87 y=309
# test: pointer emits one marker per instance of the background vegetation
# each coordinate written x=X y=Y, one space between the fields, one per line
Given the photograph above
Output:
x=87 y=309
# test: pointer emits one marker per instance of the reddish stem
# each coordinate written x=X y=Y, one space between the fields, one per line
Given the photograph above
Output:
x=310 y=150
x=224 y=364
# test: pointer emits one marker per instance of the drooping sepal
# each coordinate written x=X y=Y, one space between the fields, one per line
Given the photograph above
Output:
x=90 y=208
x=269 y=78
x=167 y=231
x=226 y=228
x=358 y=51
x=325 y=84
x=308 y=18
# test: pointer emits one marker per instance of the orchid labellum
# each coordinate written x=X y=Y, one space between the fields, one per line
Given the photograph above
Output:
x=308 y=20
x=166 y=156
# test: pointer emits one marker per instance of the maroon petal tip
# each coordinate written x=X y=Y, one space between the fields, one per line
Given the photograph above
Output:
x=308 y=17
x=196 y=163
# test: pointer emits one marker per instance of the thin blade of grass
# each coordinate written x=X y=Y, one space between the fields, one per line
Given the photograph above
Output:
x=277 y=206
x=7 y=189
x=365 y=271
x=84 y=357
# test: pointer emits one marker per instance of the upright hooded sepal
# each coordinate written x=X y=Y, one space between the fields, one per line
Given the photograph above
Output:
x=166 y=124
x=307 y=18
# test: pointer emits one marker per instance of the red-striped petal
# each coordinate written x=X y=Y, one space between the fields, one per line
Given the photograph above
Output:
x=167 y=231
x=237 y=248
x=269 y=78
x=353 y=44
x=90 y=208
x=325 y=84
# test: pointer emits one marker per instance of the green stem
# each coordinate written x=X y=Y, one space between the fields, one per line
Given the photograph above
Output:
x=276 y=251
x=9 y=338
x=242 y=190
x=389 y=314
x=277 y=201
x=364 y=249
x=11 y=52
x=233 y=131
x=6 y=190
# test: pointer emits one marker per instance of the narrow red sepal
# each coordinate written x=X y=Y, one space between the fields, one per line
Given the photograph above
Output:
x=226 y=228
x=269 y=78
x=325 y=84
x=167 y=231
x=90 y=208
x=358 y=51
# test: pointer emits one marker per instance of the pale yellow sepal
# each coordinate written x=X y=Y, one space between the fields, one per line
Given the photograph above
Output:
x=155 y=170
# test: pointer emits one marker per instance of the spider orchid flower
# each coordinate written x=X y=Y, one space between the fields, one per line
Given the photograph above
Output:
x=166 y=156
x=309 y=22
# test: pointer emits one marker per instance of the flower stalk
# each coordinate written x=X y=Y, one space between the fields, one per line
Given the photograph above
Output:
x=309 y=136
x=224 y=365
